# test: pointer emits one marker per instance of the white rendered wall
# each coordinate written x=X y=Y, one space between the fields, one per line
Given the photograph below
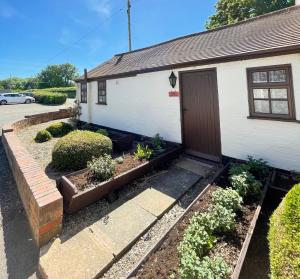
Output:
x=141 y=105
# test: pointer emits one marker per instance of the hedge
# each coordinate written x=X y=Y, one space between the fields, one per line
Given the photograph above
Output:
x=73 y=151
x=284 y=237
x=50 y=98
x=69 y=91
x=59 y=129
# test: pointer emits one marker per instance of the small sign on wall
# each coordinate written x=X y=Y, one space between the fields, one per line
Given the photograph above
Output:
x=174 y=94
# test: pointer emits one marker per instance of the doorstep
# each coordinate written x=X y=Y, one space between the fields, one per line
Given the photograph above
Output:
x=93 y=250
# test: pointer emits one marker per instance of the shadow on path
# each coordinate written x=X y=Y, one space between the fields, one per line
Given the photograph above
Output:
x=18 y=252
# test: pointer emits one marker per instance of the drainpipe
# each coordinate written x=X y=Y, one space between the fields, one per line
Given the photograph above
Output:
x=89 y=96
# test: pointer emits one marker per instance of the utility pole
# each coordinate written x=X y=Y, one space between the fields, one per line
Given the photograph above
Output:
x=129 y=23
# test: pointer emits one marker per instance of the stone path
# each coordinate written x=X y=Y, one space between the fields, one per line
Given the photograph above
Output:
x=93 y=250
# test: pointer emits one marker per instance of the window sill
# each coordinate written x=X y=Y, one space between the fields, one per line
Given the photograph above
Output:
x=103 y=104
x=273 y=119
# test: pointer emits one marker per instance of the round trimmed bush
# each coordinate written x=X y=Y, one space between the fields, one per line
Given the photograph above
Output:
x=284 y=237
x=42 y=136
x=73 y=151
x=59 y=129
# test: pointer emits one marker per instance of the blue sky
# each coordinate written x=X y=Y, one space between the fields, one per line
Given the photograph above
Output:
x=88 y=32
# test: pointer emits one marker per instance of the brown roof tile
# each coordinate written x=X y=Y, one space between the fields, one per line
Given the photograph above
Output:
x=278 y=31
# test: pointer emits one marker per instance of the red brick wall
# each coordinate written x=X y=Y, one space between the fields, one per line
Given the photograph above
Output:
x=42 y=201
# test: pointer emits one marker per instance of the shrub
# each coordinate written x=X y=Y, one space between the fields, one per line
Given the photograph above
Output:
x=237 y=169
x=74 y=150
x=246 y=185
x=258 y=167
x=192 y=267
x=50 y=98
x=222 y=219
x=59 y=129
x=42 y=136
x=228 y=198
x=102 y=132
x=102 y=168
x=157 y=142
x=284 y=237
x=119 y=160
x=143 y=152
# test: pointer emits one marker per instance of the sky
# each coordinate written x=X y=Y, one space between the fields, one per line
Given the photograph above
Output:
x=37 y=33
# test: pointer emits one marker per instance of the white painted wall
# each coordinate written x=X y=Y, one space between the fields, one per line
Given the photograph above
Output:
x=141 y=105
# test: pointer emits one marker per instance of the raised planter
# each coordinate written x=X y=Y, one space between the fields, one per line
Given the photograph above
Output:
x=121 y=141
x=283 y=180
x=75 y=200
x=243 y=252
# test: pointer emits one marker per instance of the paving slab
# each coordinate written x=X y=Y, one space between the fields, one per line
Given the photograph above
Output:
x=195 y=166
x=175 y=182
x=154 y=201
x=123 y=226
x=81 y=257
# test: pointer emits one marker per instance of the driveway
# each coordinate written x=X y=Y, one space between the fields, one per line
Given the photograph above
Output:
x=18 y=253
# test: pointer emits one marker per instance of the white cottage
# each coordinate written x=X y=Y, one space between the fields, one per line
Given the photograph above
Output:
x=233 y=91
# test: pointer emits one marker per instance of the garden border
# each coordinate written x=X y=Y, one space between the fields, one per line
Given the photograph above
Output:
x=238 y=267
x=41 y=199
x=75 y=200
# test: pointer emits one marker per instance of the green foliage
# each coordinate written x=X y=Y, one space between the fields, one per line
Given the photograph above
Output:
x=284 y=237
x=74 y=150
x=237 y=169
x=59 y=129
x=119 y=160
x=232 y=11
x=49 y=98
x=102 y=132
x=58 y=75
x=87 y=127
x=222 y=219
x=191 y=267
x=228 y=198
x=258 y=167
x=42 y=136
x=143 y=152
x=70 y=91
x=246 y=185
x=102 y=168
x=158 y=143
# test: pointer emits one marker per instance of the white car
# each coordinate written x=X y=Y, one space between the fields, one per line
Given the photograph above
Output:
x=15 y=98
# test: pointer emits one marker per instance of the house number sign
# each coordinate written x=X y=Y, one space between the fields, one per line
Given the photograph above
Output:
x=174 y=94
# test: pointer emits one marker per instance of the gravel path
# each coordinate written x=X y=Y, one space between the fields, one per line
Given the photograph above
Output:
x=122 y=267
x=41 y=152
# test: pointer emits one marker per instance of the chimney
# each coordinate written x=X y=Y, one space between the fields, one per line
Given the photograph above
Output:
x=85 y=74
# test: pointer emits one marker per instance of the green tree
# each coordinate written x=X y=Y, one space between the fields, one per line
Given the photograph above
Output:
x=57 y=75
x=232 y=11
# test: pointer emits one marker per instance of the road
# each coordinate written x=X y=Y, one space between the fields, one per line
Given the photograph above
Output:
x=18 y=253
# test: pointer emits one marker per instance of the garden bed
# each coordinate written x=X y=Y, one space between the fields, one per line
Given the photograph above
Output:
x=162 y=260
x=79 y=190
x=284 y=180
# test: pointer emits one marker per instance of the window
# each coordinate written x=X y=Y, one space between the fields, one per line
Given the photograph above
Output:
x=83 y=93
x=102 y=92
x=271 y=92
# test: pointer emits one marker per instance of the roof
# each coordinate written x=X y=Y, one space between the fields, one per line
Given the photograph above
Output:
x=263 y=35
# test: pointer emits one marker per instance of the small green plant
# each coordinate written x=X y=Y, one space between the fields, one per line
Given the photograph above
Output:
x=102 y=132
x=258 y=167
x=228 y=198
x=143 y=152
x=59 y=129
x=158 y=143
x=101 y=168
x=246 y=185
x=222 y=219
x=42 y=136
x=237 y=169
x=119 y=160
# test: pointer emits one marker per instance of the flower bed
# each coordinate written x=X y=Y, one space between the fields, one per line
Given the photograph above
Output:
x=79 y=190
x=163 y=260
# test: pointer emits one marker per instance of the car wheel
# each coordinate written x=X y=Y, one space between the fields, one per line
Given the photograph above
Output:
x=3 y=102
x=27 y=101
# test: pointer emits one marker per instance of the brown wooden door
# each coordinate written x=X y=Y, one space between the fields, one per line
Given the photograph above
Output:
x=200 y=114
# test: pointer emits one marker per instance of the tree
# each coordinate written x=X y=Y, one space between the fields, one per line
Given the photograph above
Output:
x=232 y=11
x=57 y=75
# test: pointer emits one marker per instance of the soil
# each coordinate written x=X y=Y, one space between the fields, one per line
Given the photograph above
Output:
x=165 y=262
x=84 y=180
